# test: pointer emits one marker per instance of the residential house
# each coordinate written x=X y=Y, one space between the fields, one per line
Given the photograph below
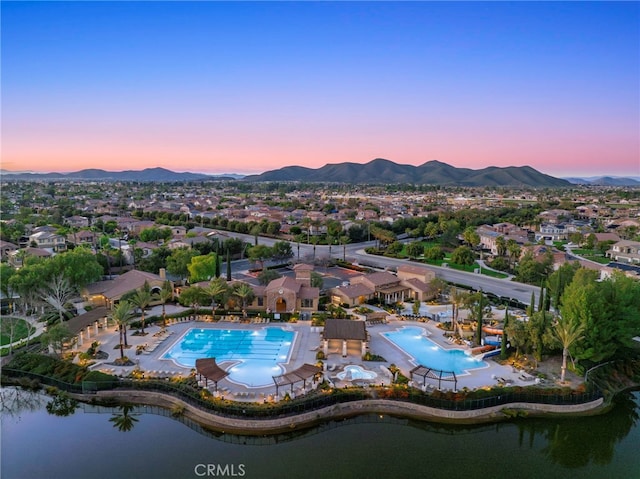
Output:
x=5 y=248
x=625 y=251
x=109 y=292
x=45 y=237
x=16 y=257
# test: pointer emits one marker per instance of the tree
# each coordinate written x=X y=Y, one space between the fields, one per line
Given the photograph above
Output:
x=56 y=336
x=317 y=281
x=179 y=260
x=121 y=315
x=568 y=333
x=202 y=268
x=434 y=253
x=267 y=275
x=463 y=255
x=80 y=266
x=165 y=294
x=281 y=250
x=217 y=291
x=57 y=295
x=513 y=249
x=246 y=295
x=501 y=246
x=228 y=265
x=503 y=343
x=141 y=299
x=415 y=249
x=260 y=253
x=6 y=272
x=471 y=237
x=558 y=281
x=479 y=316
x=194 y=297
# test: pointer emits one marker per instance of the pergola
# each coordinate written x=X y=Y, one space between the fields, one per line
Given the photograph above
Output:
x=303 y=373
x=208 y=368
x=425 y=372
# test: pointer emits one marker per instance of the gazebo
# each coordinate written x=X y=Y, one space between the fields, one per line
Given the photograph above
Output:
x=207 y=368
x=303 y=373
x=425 y=372
x=344 y=330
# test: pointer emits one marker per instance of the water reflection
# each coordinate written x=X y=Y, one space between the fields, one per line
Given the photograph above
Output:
x=125 y=419
x=14 y=401
x=62 y=405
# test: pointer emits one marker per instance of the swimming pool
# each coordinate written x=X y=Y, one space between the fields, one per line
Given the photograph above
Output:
x=427 y=353
x=258 y=353
x=355 y=372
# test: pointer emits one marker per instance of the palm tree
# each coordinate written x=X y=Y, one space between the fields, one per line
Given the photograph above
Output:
x=141 y=300
x=458 y=298
x=122 y=315
x=245 y=293
x=568 y=333
x=217 y=290
x=164 y=295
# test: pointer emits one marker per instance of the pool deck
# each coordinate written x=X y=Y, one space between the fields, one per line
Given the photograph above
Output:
x=306 y=345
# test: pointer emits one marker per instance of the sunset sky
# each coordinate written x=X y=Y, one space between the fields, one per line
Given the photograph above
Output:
x=243 y=87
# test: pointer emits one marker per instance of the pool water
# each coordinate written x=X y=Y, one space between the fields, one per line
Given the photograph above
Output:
x=356 y=372
x=427 y=353
x=258 y=353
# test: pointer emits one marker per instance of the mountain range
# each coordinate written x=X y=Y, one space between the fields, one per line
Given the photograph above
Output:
x=606 y=181
x=378 y=171
x=148 y=174
x=432 y=172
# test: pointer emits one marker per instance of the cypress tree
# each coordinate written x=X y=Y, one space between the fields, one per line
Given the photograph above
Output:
x=479 y=328
x=541 y=299
x=218 y=265
x=228 y=265
x=532 y=304
x=503 y=343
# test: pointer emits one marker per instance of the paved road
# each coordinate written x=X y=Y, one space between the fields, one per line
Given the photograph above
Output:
x=355 y=252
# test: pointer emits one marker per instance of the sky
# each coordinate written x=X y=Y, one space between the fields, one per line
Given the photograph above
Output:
x=247 y=87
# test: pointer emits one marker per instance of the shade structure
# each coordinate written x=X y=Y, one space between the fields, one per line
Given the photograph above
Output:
x=303 y=373
x=207 y=368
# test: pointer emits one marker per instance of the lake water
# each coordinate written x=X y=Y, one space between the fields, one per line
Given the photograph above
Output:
x=90 y=444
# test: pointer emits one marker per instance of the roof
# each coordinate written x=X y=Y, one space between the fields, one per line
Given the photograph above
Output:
x=308 y=292
x=353 y=290
x=381 y=278
x=345 y=329
x=284 y=282
x=209 y=369
x=113 y=289
x=80 y=323
x=304 y=372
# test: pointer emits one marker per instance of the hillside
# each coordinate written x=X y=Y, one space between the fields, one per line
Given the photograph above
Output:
x=432 y=172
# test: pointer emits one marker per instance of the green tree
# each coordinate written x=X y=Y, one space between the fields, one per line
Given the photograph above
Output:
x=267 y=275
x=501 y=246
x=194 y=297
x=217 y=290
x=260 y=253
x=471 y=237
x=281 y=250
x=463 y=255
x=202 y=268
x=558 y=281
x=415 y=249
x=246 y=295
x=434 y=253
x=179 y=260
x=504 y=353
x=121 y=315
x=142 y=299
x=317 y=281
x=568 y=333
x=56 y=337
x=165 y=294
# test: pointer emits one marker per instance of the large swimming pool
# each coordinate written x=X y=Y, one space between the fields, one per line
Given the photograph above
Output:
x=425 y=352
x=258 y=353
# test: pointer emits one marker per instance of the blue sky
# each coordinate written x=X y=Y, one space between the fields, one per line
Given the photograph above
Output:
x=252 y=86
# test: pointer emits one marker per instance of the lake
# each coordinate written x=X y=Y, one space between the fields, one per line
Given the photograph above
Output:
x=145 y=442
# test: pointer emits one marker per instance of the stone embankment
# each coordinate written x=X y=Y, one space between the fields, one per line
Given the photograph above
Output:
x=250 y=426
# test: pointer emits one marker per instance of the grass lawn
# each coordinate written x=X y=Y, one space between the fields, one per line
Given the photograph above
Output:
x=21 y=330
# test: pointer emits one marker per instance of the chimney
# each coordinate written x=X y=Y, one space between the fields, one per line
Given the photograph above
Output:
x=162 y=273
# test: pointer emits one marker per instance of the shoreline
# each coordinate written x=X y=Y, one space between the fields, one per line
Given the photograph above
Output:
x=305 y=420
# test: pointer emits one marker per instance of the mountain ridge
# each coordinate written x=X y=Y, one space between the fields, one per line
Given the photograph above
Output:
x=385 y=171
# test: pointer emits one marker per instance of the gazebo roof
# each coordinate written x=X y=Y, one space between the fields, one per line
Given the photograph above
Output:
x=304 y=372
x=208 y=368
x=345 y=329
